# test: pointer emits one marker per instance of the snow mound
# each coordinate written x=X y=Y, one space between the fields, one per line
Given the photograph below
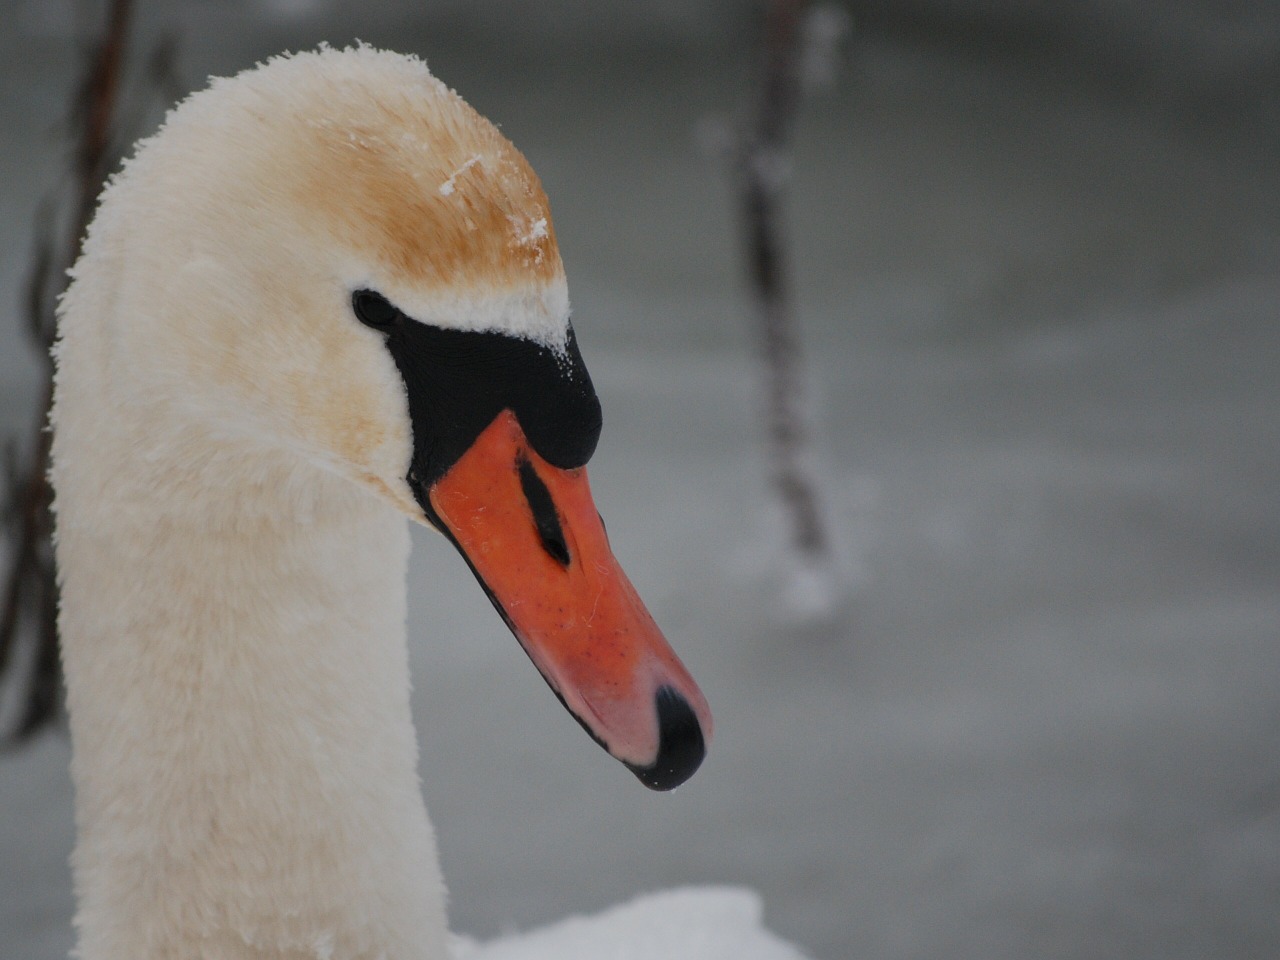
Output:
x=689 y=923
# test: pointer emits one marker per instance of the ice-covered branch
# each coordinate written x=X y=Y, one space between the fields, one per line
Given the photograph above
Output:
x=798 y=53
x=30 y=672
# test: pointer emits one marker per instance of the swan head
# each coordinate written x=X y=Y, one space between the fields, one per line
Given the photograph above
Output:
x=333 y=254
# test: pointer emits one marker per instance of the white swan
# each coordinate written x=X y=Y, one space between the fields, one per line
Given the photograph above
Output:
x=326 y=296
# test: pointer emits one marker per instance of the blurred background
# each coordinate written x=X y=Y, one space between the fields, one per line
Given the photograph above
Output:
x=1037 y=264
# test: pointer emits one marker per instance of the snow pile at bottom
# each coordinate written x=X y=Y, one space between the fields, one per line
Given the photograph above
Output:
x=689 y=923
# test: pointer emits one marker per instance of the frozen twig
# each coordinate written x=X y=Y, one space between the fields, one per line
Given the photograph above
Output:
x=798 y=52
x=823 y=33
x=29 y=602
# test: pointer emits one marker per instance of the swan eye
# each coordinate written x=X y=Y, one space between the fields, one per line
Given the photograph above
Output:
x=374 y=310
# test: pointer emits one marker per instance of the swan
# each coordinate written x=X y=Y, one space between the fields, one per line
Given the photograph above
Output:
x=324 y=297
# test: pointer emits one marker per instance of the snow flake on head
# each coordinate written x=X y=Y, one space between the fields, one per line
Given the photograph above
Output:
x=537 y=231
x=447 y=188
x=530 y=238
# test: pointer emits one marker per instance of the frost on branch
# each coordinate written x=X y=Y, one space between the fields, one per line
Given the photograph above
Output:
x=799 y=52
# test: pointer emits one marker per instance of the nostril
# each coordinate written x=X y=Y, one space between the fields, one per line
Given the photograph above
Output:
x=545 y=518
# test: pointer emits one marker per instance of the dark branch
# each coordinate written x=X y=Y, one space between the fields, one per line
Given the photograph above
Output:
x=29 y=606
x=764 y=171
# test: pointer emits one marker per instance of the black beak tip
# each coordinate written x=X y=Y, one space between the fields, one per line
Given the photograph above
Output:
x=681 y=746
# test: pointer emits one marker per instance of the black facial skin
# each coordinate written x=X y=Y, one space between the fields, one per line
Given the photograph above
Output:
x=458 y=382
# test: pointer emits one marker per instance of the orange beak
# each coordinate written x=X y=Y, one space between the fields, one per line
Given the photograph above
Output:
x=531 y=533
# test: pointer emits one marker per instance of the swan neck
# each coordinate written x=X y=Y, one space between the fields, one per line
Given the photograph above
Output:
x=244 y=758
